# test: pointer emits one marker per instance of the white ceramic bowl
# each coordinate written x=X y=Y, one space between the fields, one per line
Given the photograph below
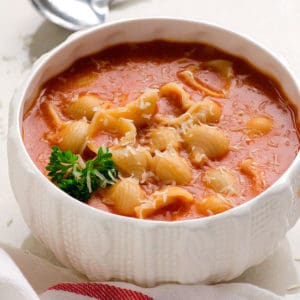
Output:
x=105 y=246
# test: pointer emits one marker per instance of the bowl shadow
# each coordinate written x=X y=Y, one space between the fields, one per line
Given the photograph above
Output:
x=46 y=37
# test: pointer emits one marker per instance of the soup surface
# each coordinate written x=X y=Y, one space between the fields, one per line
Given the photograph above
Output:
x=192 y=131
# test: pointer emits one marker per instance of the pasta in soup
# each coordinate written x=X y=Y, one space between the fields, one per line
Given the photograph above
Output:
x=183 y=130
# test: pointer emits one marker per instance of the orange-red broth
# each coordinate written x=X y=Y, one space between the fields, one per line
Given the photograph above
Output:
x=121 y=73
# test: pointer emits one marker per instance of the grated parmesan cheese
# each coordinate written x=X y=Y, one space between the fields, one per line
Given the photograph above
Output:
x=105 y=122
x=130 y=150
x=146 y=116
x=164 y=197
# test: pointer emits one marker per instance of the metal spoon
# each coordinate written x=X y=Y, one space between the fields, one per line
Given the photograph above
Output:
x=74 y=14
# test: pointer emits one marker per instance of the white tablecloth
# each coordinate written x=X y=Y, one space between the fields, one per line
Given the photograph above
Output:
x=25 y=35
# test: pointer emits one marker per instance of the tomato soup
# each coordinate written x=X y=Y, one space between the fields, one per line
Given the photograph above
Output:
x=193 y=131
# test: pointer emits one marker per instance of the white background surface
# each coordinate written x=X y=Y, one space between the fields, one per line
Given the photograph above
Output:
x=25 y=35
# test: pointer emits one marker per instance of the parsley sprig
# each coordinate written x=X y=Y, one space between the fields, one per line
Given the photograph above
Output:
x=78 y=178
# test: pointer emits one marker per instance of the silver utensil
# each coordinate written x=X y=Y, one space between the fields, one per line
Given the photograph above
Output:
x=74 y=14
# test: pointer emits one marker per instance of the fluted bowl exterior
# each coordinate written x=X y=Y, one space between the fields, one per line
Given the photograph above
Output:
x=105 y=246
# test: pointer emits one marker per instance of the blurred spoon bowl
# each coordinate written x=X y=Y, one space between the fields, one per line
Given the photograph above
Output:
x=74 y=14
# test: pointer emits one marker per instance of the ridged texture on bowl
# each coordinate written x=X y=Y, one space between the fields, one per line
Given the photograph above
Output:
x=105 y=246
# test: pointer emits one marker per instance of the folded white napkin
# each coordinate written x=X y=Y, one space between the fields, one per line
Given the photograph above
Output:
x=13 y=285
x=45 y=278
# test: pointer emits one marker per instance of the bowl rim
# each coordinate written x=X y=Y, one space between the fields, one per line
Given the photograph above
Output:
x=146 y=223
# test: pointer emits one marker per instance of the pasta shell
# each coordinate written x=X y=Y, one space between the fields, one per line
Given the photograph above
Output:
x=130 y=161
x=198 y=157
x=176 y=93
x=84 y=106
x=170 y=167
x=123 y=129
x=163 y=137
x=84 y=80
x=189 y=78
x=224 y=67
x=162 y=199
x=222 y=180
x=51 y=114
x=73 y=136
x=213 y=204
x=249 y=168
x=139 y=111
x=259 y=126
x=206 y=111
x=208 y=140
x=126 y=194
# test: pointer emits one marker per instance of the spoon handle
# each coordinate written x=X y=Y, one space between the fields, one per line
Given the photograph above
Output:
x=101 y=8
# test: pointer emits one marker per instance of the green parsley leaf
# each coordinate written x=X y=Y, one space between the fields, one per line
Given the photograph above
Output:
x=77 y=179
